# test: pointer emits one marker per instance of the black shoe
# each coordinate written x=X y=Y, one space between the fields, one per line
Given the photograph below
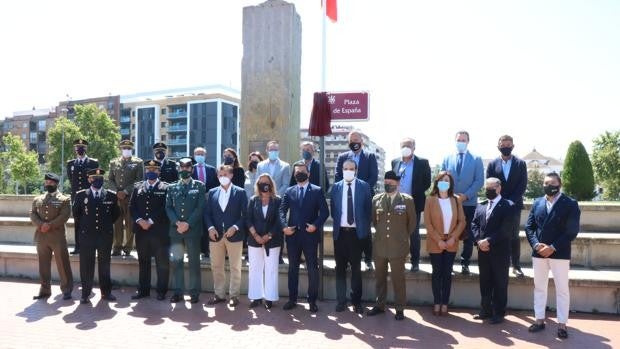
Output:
x=562 y=333
x=41 y=296
x=465 y=270
x=193 y=299
x=75 y=251
x=496 y=320
x=109 y=297
x=161 y=296
x=400 y=315
x=175 y=298
x=139 y=295
x=233 y=302
x=518 y=272
x=313 y=307
x=268 y=304
x=66 y=296
x=289 y=305
x=116 y=253
x=358 y=309
x=84 y=300
x=127 y=253
x=536 y=327
x=482 y=316
x=414 y=268
x=255 y=303
x=369 y=266
x=281 y=261
x=215 y=300
x=374 y=311
x=340 y=307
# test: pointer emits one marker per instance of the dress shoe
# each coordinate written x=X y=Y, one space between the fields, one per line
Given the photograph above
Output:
x=313 y=307
x=233 y=302
x=280 y=261
x=562 y=333
x=369 y=266
x=482 y=316
x=444 y=310
x=536 y=327
x=109 y=297
x=465 y=270
x=400 y=315
x=75 y=251
x=436 y=309
x=374 y=311
x=127 y=253
x=340 y=307
x=496 y=320
x=268 y=304
x=66 y=296
x=175 y=298
x=193 y=299
x=289 y=305
x=414 y=268
x=358 y=309
x=116 y=253
x=255 y=303
x=518 y=272
x=139 y=295
x=215 y=300
x=84 y=300
x=161 y=296
x=41 y=296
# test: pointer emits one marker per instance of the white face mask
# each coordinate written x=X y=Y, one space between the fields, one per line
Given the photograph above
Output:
x=126 y=153
x=224 y=180
x=406 y=152
x=348 y=175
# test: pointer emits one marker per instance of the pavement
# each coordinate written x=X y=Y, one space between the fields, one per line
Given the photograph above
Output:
x=148 y=323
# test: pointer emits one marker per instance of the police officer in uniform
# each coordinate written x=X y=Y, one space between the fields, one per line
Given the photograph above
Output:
x=184 y=205
x=96 y=209
x=168 y=171
x=148 y=210
x=50 y=212
x=124 y=173
x=77 y=172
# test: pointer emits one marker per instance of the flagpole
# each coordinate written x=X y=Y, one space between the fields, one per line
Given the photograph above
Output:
x=322 y=138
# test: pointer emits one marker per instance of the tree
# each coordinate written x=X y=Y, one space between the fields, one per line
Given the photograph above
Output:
x=55 y=138
x=577 y=175
x=606 y=163
x=535 y=180
x=22 y=165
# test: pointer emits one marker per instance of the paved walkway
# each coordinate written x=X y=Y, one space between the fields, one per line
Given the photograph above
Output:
x=153 y=324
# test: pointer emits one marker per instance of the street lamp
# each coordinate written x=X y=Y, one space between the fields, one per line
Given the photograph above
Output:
x=62 y=153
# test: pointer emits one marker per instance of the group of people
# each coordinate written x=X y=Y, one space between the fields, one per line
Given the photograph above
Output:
x=189 y=207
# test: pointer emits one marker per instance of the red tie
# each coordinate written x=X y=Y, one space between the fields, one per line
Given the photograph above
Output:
x=201 y=174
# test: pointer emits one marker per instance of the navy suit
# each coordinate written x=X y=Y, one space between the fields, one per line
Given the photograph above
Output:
x=494 y=264
x=311 y=209
x=264 y=225
x=234 y=214
x=557 y=228
x=513 y=189
x=347 y=241
x=315 y=175
x=211 y=182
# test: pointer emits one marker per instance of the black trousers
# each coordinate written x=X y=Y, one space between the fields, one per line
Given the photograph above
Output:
x=414 y=242
x=441 y=280
x=310 y=251
x=76 y=234
x=99 y=245
x=347 y=250
x=494 y=267
x=515 y=242
x=156 y=245
x=468 y=239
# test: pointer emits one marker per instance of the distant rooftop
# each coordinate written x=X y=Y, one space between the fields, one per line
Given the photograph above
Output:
x=180 y=92
x=34 y=112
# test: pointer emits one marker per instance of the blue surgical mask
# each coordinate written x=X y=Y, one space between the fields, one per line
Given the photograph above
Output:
x=443 y=186
x=199 y=159
x=274 y=155
x=152 y=175
x=306 y=155
x=461 y=147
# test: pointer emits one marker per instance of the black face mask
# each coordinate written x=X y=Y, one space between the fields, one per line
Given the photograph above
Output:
x=389 y=188
x=301 y=177
x=491 y=194
x=80 y=151
x=355 y=146
x=253 y=165
x=159 y=155
x=264 y=187
x=551 y=190
x=51 y=188
x=506 y=151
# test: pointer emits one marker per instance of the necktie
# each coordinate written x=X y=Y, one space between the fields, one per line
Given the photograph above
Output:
x=389 y=202
x=150 y=188
x=489 y=208
x=96 y=195
x=301 y=196
x=459 y=163
x=350 y=218
x=201 y=175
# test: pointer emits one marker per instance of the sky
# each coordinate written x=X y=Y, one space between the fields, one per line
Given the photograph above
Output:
x=545 y=72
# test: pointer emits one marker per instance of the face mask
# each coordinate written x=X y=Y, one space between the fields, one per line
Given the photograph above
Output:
x=551 y=190
x=389 y=188
x=185 y=174
x=306 y=155
x=228 y=160
x=491 y=194
x=80 y=151
x=506 y=151
x=159 y=155
x=461 y=147
x=97 y=183
x=200 y=159
x=301 y=177
x=126 y=153
x=152 y=175
x=348 y=175
x=355 y=146
x=253 y=165
x=406 y=152
x=51 y=188
x=264 y=187
x=274 y=155
x=443 y=186
x=224 y=180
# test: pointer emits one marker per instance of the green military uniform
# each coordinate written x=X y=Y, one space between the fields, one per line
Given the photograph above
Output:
x=123 y=174
x=394 y=219
x=54 y=209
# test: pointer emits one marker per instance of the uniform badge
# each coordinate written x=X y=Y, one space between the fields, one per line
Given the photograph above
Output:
x=85 y=201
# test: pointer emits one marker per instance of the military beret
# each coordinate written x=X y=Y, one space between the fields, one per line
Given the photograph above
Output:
x=126 y=143
x=160 y=145
x=391 y=175
x=152 y=163
x=187 y=161
x=52 y=177
x=80 y=141
x=95 y=172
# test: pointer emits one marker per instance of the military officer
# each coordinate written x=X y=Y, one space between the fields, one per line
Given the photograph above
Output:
x=50 y=212
x=96 y=209
x=77 y=170
x=184 y=205
x=394 y=218
x=148 y=210
x=125 y=172
x=168 y=171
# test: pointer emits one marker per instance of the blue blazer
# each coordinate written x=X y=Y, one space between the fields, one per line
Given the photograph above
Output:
x=362 y=205
x=420 y=182
x=559 y=227
x=513 y=188
x=367 y=169
x=210 y=176
x=315 y=175
x=471 y=178
x=234 y=214
x=497 y=228
x=313 y=210
x=265 y=224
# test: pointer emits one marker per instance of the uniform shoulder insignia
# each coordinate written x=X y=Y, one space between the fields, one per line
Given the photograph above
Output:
x=70 y=161
x=111 y=192
x=407 y=196
x=93 y=159
x=81 y=191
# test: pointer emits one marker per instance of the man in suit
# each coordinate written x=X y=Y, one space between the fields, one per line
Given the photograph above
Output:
x=415 y=179
x=96 y=209
x=307 y=156
x=224 y=217
x=279 y=170
x=367 y=170
x=77 y=173
x=350 y=209
x=125 y=171
x=185 y=202
x=50 y=212
x=206 y=174
x=468 y=173
x=394 y=218
x=553 y=223
x=148 y=210
x=168 y=171
x=307 y=211
x=491 y=231
x=512 y=171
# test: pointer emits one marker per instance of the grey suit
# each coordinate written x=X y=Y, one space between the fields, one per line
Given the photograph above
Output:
x=279 y=170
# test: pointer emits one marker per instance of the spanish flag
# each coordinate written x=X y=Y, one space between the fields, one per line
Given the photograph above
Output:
x=331 y=9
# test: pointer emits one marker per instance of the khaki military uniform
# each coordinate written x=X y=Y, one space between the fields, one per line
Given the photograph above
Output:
x=55 y=209
x=394 y=220
x=123 y=174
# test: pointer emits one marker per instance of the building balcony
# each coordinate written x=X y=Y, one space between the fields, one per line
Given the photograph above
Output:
x=125 y=132
x=178 y=154
x=177 y=128
x=177 y=115
x=177 y=141
x=125 y=119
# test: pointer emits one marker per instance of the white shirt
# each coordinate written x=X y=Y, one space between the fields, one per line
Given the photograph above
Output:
x=265 y=208
x=96 y=193
x=491 y=207
x=552 y=202
x=446 y=212
x=224 y=197
x=343 y=216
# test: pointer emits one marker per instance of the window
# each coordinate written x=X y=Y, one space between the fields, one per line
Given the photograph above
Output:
x=163 y=124
x=163 y=138
x=33 y=137
x=24 y=135
x=41 y=125
x=163 y=111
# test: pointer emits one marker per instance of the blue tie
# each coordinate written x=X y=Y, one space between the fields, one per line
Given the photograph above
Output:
x=459 y=163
